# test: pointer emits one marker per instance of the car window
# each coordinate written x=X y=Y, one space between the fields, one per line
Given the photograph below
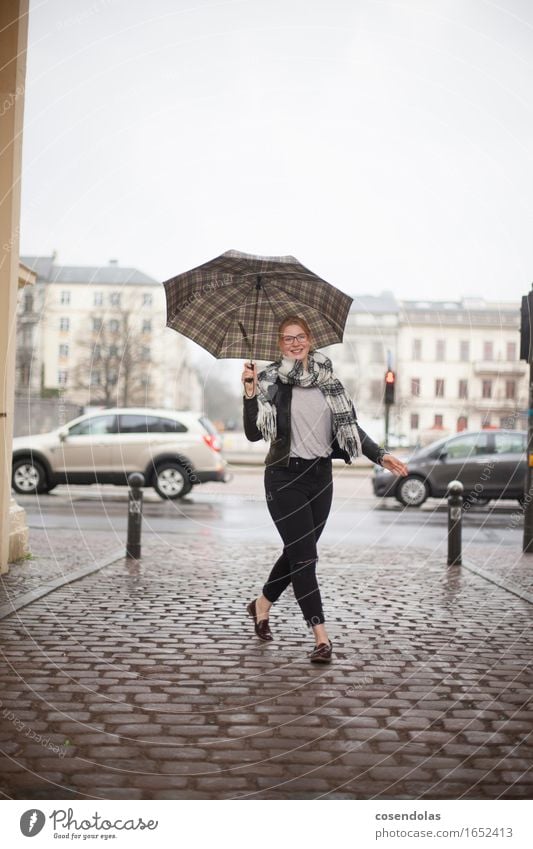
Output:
x=509 y=443
x=138 y=423
x=470 y=445
x=93 y=426
x=170 y=426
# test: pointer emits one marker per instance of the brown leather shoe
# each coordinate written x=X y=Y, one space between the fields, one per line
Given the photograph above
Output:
x=322 y=653
x=262 y=628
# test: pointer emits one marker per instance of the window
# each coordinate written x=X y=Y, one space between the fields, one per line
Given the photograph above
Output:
x=464 y=350
x=147 y=326
x=97 y=425
x=439 y=387
x=112 y=377
x=511 y=351
x=98 y=299
x=28 y=302
x=63 y=350
x=97 y=352
x=113 y=325
x=462 y=423
x=64 y=324
x=113 y=351
x=486 y=389
x=65 y=298
x=149 y=424
x=170 y=426
x=147 y=300
x=488 y=350
x=470 y=445
x=97 y=324
x=510 y=389
x=438 y=420
x=440 y=349
x=417 y=349
x=377 y=352
x=463 y=389
x=62 y=377
x=96 y=378
x=414 y=421
x=145 y=353
x=114 y=299
x=415 y=387
x=509 y=443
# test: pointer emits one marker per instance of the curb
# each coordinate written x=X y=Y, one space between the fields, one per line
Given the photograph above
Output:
x=33 y=595
x=525 y=596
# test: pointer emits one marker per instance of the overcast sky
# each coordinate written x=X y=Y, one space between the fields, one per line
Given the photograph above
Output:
x=387 y=145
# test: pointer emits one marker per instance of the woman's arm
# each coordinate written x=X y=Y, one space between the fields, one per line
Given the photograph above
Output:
x=380 y=455
x=370 y=448
x=249 y=412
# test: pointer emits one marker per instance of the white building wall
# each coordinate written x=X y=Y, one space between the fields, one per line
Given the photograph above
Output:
x=169 y=370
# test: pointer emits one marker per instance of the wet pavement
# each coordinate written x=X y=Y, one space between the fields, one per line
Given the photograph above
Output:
x=145 y=679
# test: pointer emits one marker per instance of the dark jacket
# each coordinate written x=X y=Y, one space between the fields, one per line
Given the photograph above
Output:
x=280 y=447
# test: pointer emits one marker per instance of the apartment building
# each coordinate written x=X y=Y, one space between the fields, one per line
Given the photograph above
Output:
x=99 y=333
x=456 y=365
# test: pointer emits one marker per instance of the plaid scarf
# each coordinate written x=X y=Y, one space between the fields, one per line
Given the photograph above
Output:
x=319 y=373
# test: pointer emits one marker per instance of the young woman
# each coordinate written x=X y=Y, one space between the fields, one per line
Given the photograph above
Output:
x=299 y=405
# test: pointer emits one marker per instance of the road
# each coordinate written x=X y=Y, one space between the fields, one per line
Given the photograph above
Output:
x=237 y=511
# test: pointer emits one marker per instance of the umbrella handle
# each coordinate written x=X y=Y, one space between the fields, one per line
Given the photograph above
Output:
x=249 y=379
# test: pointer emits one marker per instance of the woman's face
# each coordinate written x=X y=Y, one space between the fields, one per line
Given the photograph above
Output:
x=294 y=342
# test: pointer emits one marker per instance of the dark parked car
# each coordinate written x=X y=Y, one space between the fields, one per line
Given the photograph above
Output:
x=489 y=463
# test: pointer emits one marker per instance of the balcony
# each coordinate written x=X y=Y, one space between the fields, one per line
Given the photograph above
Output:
x=500 y=367
x=497 y=403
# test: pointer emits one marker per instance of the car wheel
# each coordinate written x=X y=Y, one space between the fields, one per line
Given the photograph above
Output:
x=412 y=492
x=171 y=481
x=29 y=477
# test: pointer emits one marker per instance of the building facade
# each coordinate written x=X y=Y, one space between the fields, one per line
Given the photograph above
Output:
x=98 y=336
x=456 y=363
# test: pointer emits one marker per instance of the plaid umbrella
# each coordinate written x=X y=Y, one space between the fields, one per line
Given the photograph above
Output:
x=233 y=304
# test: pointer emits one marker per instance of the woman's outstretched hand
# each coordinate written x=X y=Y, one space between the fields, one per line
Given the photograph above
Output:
x=394 y=465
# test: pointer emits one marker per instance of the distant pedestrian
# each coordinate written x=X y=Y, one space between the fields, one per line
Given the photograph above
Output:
x=299 y=405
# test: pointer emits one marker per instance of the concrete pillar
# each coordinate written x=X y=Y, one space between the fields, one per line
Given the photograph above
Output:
x=13 y=45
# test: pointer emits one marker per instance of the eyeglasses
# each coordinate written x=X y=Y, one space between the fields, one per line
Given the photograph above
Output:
x=288 y=340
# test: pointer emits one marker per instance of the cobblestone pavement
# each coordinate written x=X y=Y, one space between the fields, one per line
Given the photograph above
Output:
x=145 y=680
x=54 y=557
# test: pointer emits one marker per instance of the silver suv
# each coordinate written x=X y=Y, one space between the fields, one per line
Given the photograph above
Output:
x=174 y=450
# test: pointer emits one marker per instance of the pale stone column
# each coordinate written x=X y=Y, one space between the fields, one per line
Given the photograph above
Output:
x=13 y=44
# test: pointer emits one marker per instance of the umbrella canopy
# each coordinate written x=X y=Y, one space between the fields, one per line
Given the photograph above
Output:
x=233 y=304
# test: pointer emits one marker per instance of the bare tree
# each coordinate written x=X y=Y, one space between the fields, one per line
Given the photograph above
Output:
x=115 y=363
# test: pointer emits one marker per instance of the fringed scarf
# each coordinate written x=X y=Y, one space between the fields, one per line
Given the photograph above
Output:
x=319 y=373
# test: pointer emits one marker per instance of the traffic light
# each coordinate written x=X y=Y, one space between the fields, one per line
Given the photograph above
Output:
x=390 y=382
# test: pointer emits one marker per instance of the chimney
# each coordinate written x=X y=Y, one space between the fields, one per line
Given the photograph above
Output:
x=113 y=262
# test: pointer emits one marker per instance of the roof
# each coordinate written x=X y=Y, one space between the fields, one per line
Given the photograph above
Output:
x=382 y=303
x=97 y=275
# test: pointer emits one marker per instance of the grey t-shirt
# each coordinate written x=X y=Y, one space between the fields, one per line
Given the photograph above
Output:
x=311 y=423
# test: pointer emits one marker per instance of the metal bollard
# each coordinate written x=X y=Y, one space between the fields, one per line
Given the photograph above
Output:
x=455 y=518
x=135 y=515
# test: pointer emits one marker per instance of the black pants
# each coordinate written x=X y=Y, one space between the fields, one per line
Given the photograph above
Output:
x=299 y=500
